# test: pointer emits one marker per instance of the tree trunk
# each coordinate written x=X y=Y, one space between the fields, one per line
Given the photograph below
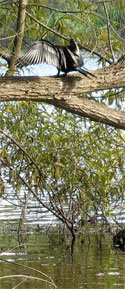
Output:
x=67 y=92
x=19 y=36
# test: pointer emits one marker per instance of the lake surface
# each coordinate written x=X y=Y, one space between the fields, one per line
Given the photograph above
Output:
x=47 y=69
x=88 y=266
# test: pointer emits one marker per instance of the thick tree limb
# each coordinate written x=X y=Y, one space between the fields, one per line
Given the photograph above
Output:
x=67 y=92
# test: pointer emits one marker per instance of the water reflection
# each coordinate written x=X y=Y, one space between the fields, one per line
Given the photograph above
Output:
x=88 y=266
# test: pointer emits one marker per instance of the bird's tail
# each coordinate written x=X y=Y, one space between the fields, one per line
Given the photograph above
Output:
x=85 y=72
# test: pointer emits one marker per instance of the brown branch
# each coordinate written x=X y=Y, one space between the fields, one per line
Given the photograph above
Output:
x=47 y=27
x=97 y=3
x=67 y=92
x=23 y=150
x=108 y=29
x=7 y=37
x=28 y=277
x=19 y=34
x=116 y=32
x=66 y=38
x=36 y=196
x=65 y=11
x=27 y=267
x=55 y=209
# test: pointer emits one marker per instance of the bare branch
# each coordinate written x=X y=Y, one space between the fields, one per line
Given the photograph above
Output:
x=28 y=277
x=47 y=27
x=116 y=32
x=66 y=38
x=36 y=195
x=108 y=29
x=27 y=267
x=67 y=11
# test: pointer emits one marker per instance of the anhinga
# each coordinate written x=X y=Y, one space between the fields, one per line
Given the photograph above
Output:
x=65 y=58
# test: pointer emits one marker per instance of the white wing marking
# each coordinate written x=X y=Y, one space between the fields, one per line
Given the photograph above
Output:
x=41 y=52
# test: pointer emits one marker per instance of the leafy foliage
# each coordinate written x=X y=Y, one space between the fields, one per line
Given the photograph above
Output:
x=73 y=165
x=85 y=21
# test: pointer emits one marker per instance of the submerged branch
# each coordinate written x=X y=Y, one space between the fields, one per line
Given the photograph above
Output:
x=28 y=277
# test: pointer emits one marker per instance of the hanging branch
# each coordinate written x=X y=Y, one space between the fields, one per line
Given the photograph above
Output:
x=24 y=151
x=66 y=38
x=108 y=29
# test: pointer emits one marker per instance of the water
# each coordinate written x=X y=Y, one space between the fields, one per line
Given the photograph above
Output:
x=47 y=69
x=87 y=267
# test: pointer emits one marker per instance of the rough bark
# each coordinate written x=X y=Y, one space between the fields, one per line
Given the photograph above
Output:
x=68 y=92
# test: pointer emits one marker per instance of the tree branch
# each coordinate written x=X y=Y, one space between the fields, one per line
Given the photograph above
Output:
x=5 y=57
x=108 y=29
x=66 y=38
x=23 y=150
x=27 y=277
x=67 y=92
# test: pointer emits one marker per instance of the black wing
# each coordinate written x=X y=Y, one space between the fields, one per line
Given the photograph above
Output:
x=42 y=52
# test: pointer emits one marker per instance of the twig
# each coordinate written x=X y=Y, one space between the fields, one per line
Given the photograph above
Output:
x=66 y=38
x=20 y=283
x=5 y=57
x=65 y=11
x=27 y=277
x=27 y=267
x=23 y=150
x=108 y=29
